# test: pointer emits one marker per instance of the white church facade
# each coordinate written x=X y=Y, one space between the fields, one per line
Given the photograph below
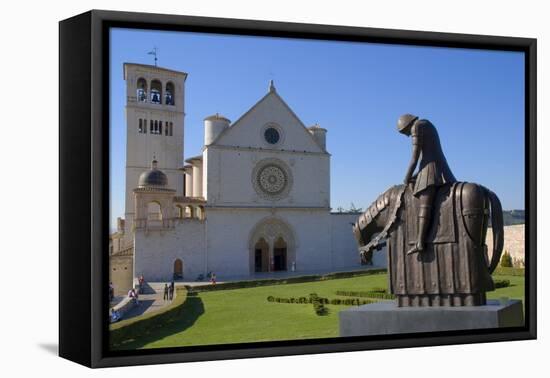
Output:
x=256 y=200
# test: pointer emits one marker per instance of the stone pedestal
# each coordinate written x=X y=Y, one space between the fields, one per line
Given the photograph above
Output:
x=384 y=318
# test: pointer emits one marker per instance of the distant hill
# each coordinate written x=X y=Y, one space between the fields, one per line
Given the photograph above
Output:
x=512 y=217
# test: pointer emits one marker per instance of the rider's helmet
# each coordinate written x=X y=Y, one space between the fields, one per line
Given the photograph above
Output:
x=405 y=121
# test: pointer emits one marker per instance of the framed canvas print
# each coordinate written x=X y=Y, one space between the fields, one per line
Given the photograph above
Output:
x=234 y=188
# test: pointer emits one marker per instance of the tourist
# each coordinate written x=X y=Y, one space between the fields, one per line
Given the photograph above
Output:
x=134 y=295
x=213 y=278
x=115 y=315
x=166 y=292
x=171 y=291
x=141 y=280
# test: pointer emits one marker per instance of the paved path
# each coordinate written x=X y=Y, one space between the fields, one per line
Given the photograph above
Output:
x=152 y=300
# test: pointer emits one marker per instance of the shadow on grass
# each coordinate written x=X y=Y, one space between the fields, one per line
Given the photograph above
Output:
x=140 y=333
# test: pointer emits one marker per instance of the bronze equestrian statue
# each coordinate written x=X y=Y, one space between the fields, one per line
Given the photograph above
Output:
x=433 y=171
x=435 y=229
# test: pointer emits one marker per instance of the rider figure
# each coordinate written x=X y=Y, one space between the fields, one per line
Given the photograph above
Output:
x=433 y=170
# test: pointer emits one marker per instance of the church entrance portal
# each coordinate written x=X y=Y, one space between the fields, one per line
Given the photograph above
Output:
x=178 y=269
x=261 y=256
x=279 y=255
x=272 y=246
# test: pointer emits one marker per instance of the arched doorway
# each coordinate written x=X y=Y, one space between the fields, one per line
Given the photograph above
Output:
x=261 y=256
x=178 y=269
x=272 y=245
x=279 y=255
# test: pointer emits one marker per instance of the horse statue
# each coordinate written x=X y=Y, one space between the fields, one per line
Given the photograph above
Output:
x=454 y=269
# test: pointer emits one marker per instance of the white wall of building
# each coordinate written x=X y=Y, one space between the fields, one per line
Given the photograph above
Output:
x=156 y=251
x=248 y=130
x=229 y=231
x=230 y=181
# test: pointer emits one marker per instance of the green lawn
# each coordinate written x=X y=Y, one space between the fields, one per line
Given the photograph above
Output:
x=244 y=315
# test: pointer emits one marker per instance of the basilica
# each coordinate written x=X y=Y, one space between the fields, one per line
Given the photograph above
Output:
x=256 y=200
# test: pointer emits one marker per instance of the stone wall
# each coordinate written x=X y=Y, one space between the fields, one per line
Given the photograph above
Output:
x=157 y=250
x=318 y=241
x=121 y=273
x=514 y=243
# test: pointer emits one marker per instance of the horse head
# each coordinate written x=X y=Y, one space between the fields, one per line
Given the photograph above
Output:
x=374 y=224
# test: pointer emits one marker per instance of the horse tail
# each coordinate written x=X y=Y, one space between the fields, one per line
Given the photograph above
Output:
x=498 y=230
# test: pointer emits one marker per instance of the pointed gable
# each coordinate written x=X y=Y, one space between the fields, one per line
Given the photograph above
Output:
x=270 y=111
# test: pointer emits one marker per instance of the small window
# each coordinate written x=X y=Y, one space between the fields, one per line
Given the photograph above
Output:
x=271 y=135
x=140 y=126
x=160 y=127
x=171 y=129
x=151 y=128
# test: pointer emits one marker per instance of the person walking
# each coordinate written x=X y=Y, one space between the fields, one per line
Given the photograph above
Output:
x=166 y=292
x=171 y=290
x=141 y=281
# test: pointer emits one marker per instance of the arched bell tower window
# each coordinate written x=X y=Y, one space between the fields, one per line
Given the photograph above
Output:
x=156 y=92
x=169 y=96
x=141 y=90
x=154 y=212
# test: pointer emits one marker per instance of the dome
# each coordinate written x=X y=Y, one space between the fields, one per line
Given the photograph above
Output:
x=153 y=177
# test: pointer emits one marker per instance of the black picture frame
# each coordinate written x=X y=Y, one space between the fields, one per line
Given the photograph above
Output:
x=84 y=186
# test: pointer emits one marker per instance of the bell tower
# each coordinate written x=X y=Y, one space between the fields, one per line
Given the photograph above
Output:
x=155 y=113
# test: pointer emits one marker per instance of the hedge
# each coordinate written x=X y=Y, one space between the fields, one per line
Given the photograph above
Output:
x=318 y=305
x=282 y=281
x=321 y=300
x=501 y=283
x=367 y=294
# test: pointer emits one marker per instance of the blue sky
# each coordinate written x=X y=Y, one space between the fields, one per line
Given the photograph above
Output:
x=356 y=91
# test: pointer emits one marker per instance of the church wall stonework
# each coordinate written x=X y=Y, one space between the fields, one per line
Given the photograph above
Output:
x=230 y=232
x=156 y=251
x=248 y=130
x=514 y=243
x=231 y=177
x=121 y=273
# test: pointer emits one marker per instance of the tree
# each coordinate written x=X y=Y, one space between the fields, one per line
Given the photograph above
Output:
x=506 y=260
